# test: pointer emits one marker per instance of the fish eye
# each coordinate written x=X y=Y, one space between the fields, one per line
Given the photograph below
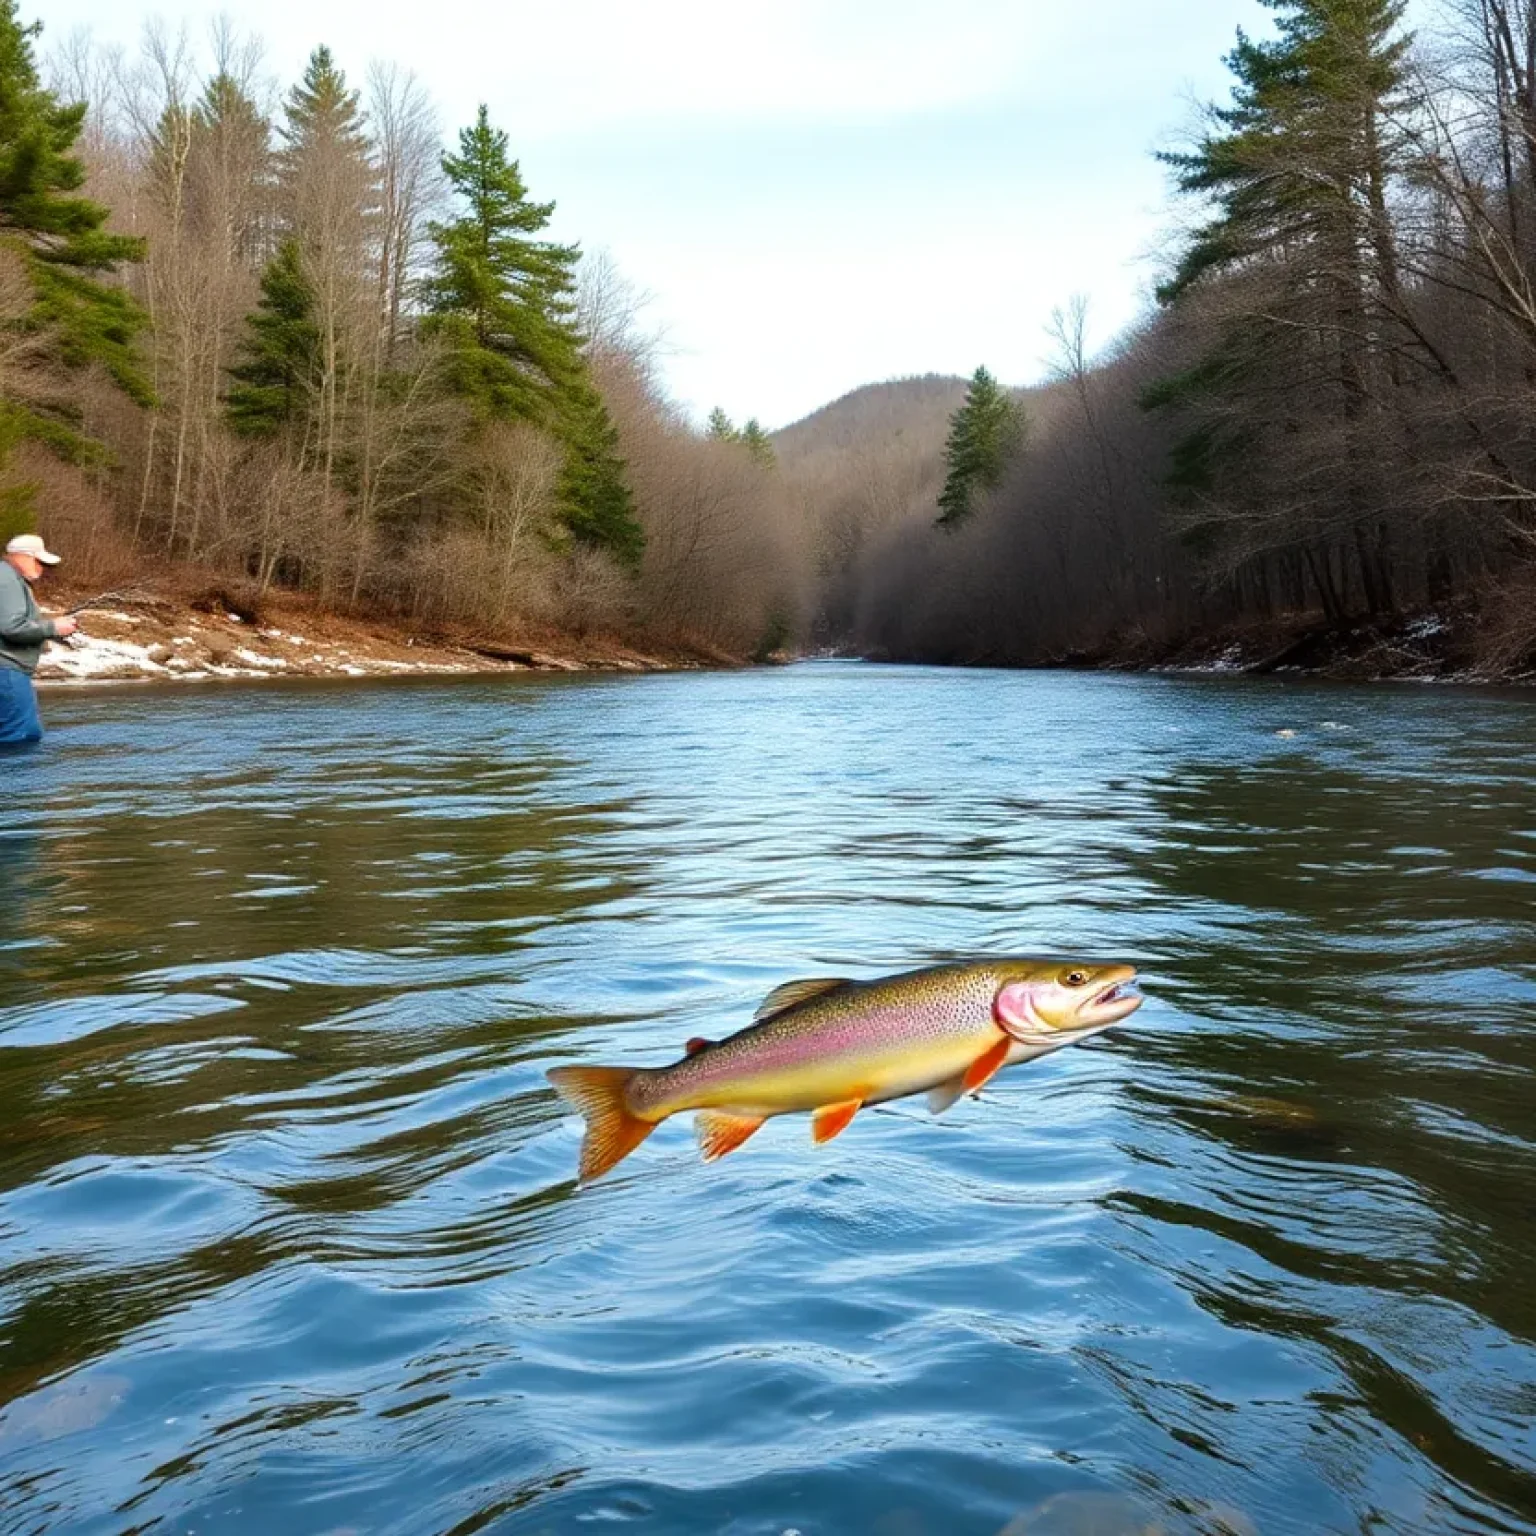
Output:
x=1075 y=978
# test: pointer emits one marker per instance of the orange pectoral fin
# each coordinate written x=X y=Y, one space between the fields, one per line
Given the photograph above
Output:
x=981 y=1071
x=720 y=1133
x=833 y=1119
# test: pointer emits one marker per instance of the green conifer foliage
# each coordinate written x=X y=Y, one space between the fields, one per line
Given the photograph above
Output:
x=321 y=114
x=719 y=428
x=504 y=302
x=758 y=443
x=599 y=509
x=61 y=250
x=504 y=299
x=1298 y=154
x=274 y=382
x=983 y=436
x=1294 y=171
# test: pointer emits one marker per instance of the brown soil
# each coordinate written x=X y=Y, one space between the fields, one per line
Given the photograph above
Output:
x=220 y=631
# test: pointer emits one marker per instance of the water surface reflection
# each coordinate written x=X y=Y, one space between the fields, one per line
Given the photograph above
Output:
x=288 y=1239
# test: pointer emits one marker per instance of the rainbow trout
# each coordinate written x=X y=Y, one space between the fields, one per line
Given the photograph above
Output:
x=831 y=1046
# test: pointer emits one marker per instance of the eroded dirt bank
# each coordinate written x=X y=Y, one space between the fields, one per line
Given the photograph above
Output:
x=216 y=635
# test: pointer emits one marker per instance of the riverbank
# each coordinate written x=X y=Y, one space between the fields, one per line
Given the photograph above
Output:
x=225 y=634
x=1449 y=644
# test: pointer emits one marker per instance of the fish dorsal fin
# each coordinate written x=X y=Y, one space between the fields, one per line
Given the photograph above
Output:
x=793 y=993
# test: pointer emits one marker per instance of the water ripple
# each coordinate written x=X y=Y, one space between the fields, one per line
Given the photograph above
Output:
x=288 y=1234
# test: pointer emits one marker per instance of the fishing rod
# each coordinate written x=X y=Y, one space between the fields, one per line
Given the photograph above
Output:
x=125 y=595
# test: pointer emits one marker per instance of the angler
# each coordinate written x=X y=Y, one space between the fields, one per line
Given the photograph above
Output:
x=23 y=634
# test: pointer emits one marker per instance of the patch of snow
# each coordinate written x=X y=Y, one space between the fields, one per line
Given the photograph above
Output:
x=256 y=659
x=1230 y=660
x=1423 y=628
x=92 y=657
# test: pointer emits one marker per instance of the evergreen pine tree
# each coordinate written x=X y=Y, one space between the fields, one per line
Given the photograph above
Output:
x=719 y=428
x=328 y=202
x=1298 y=154
x=234 y=137
x=758 y=443
x=504 y=303
x=1295 y=171
x=502 y=299
x=593 y=490
x=983 y=435
x=275 y=380
x=322 y=115
x=60 y=250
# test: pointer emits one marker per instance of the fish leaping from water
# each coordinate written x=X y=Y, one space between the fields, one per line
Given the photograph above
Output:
x=831 y=1046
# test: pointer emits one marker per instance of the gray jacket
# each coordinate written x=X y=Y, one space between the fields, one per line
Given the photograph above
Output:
x=22 y=630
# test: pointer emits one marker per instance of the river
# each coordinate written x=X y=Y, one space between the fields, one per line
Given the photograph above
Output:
x=289 y=1240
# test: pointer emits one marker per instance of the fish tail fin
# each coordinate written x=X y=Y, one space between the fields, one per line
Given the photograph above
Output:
x=613 y=1131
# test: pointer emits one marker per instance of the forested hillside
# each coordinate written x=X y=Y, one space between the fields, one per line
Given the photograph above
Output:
x=862 y=470
x=298 y=337
x=1327 y=419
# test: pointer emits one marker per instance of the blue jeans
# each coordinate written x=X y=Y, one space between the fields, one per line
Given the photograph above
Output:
x=19 y=721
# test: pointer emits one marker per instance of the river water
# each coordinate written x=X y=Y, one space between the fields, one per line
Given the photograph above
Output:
x=289 y=1240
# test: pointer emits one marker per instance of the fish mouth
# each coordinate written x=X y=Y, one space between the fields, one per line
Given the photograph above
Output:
x=1110 y=1004
x=1032 y=1012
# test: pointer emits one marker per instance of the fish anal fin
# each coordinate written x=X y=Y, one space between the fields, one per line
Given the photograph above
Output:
x=612 y=1131
x=697 y=1044
x=986 y=1065
x=720 y=1133
x=944 y=1095
x=793 y=993
x=833 y=1119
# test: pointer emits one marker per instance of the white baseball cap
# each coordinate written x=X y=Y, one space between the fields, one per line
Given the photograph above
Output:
x=30 y=544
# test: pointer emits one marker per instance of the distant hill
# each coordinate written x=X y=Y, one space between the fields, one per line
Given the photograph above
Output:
x=866 y=472
x=860 y=467
x=917 y=407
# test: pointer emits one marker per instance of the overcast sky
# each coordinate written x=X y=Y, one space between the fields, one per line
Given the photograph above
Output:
x=818 y=195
